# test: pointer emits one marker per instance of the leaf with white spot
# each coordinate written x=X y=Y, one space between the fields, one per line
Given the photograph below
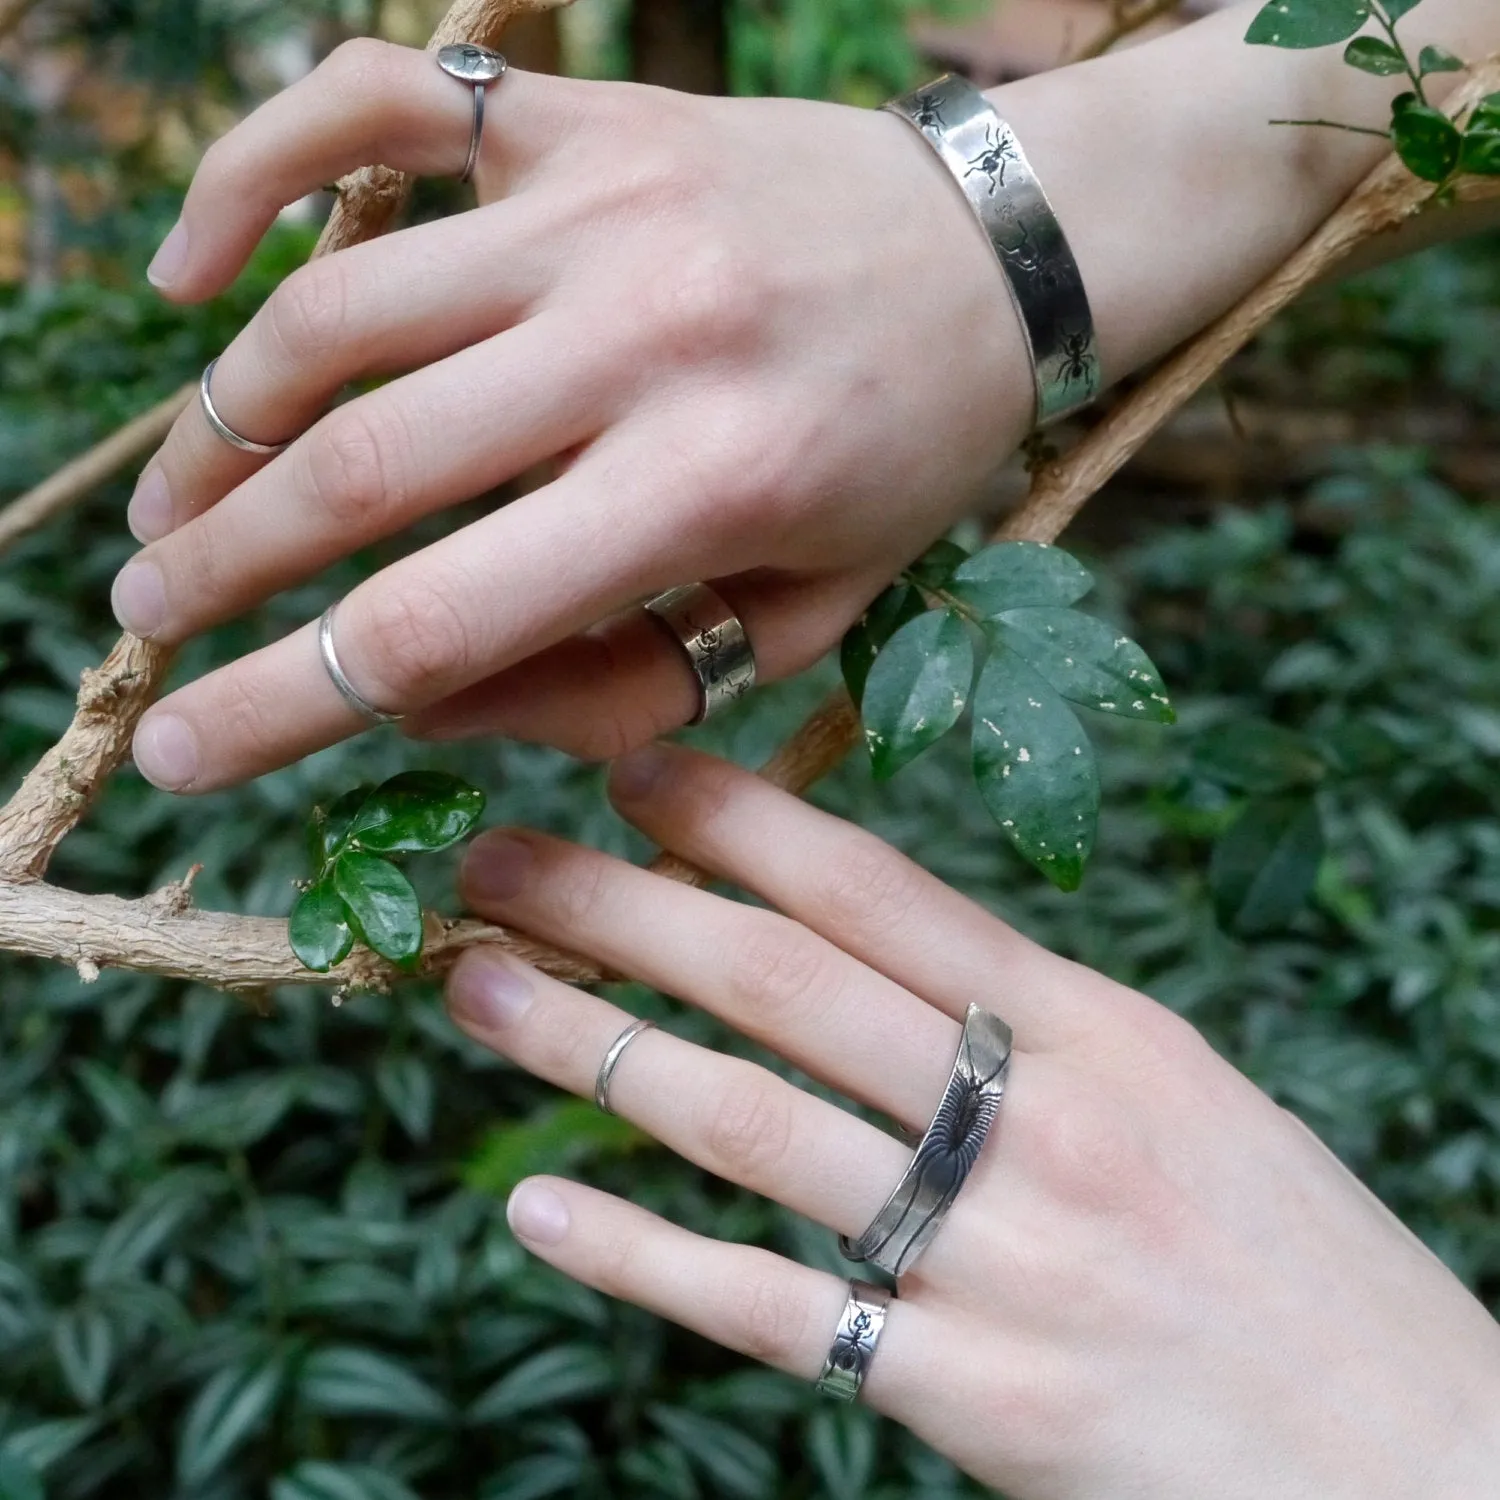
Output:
x=1014 y=575
x=917 y=689
x=1307 y=23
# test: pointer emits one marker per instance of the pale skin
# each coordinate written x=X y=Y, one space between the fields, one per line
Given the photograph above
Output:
x=765 y=336
x=1156 y=1284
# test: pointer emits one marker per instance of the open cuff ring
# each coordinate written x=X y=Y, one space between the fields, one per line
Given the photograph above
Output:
x=713 y=639
x=220 y=426
x=471 y=63
x=336 y=674
x=914 y=1212
x=853 y=1348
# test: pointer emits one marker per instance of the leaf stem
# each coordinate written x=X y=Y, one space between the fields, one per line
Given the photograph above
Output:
x=1390 y=30
x=1337 y=125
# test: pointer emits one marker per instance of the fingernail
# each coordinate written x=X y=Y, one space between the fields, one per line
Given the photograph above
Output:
x=166 y=265
x=488 y=991
x=495 y=868
x=150 y=514
x=634 y=775
x=166 y=752
x=538 y=1214
x=140 y=599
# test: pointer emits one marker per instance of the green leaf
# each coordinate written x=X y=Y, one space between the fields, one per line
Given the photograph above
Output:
x=1015 y=575
x=40 y=1446
x=1307 y=23
x=1035 y=769
x=567 y=1372
x=1438 y=60
x=350 y=1380
x=1481 y=153
x=935 y=566
x=161 y=1212
x=1251 y=755
x=1265 y=866
x=917 y=689
x=315 y=1480
x=405 y=1083
x=536 y=1477
x=872 y=630
x=1395 y=9
x=841 y=1445
x=1087 y=661
x=1371 y=55
x=555 y=1138
x=1427 y=141
x=1486 y=116
x=382 y=903
x=84 y=1345
x=18 y=1480
x=319 y=929
x=327 y=830
x=231 y=1408
x=418 y=811
x=725 y=1454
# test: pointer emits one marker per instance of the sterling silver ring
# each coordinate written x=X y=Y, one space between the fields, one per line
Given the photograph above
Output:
x=612 y=1061
x=714 y=641
x=347 y=691
x=471 y=63
x=219 y=425
x=914 y=1212
x=853 y=1349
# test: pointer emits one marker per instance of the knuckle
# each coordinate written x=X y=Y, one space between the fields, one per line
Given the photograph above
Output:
x=352 y=470
x=415 y=642
x=770 y=1322
x=307 y=313
x=774 y=967
x=1091 y=1157
x=749 y=1129
x=704 y=302
x=576 y=890
x=362 y=66
x=867 y=888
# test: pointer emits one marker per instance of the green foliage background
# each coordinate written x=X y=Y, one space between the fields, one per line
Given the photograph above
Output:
x=259 y=1250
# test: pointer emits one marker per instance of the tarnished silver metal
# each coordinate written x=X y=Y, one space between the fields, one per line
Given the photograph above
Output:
x=612 y=1061
x=219 y=425
x=984 y=156
x=347 y=691
x=470 y=63
x=717 y=648
x=853 y=1347
x=914 y=1212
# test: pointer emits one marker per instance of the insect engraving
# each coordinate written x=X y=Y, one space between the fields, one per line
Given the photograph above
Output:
x=999 y=152
x=927 y=112
x=852 y=1346
x=708 y=646
x=1077 y=361
x=1030 y=263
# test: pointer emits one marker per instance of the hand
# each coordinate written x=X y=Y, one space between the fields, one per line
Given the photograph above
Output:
x=1156 y=1283
x=768 y=333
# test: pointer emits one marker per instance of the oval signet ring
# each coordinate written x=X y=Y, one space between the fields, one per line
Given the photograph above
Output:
x=470 y=63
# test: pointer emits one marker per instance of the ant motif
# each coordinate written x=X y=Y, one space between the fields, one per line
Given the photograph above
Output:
x=928 y=113
x=1028 y=261
x=1077 y=358
x=999 y=153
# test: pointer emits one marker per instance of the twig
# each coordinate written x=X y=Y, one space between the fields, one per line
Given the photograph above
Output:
x=1128 y=19
x=89 y=470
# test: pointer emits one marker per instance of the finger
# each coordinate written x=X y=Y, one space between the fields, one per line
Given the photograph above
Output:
x=390 y=305
x=743 y=1298
x=367 y=102
x=766 y=976
x=626 y=681
x=858 y=892
x=424 y=442
x=516 y=582
x=730 y=1117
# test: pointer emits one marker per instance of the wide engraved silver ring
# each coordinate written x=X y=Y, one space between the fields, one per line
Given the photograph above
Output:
x=336 y=674
x=914 y=1212
x=713 y=639
x=470 y=63
x=220 y=426
x=853 y=1348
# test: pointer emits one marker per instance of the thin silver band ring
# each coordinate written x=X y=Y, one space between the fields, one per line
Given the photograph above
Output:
x=480 y=66
x=853 y=1348
x=220 y=426
x=347 y=691
x=612 y=1061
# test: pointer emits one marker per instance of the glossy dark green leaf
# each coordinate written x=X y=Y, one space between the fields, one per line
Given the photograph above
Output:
x=405 y=1083
x=1395 y=9
x=328 y=827
x=231 y=1408
x=319 y=929
x=1254 y=756
x=1427 y=141
x=1016 y=575
x=1086 y=660
x=1264 y=868
x=1372 y=55
x=917 y=689
x=84 y=1344
x=935 y=566
x=1481 y=153
x=380 y=899
x=418 y=811
x=865 y=638
x=1438 y=60
x=350 y=1380
x=18 y=1480
x=1307 y=23
x=1486 y=114
x=313 y=1479
x=1035 y=768
x=566 y=1372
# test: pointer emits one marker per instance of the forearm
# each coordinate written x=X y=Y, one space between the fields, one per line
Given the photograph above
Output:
x=1177 y=193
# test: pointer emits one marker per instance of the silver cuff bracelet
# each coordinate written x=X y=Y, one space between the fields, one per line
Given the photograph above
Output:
x=984 y=156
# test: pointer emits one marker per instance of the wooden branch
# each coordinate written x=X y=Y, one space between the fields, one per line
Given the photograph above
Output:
x=89 y=470
x=1127 y=20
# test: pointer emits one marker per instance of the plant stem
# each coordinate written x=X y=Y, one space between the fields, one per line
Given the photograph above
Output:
x=1336 y=125
x=1390 y=30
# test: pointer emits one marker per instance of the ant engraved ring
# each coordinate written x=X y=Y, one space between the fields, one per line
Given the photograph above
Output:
x=914 y=1212
x=471 y=63
x=713 y=639
x=853 y=1347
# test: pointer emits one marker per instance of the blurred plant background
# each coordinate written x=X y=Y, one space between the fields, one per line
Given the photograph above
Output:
x=259 y=1249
